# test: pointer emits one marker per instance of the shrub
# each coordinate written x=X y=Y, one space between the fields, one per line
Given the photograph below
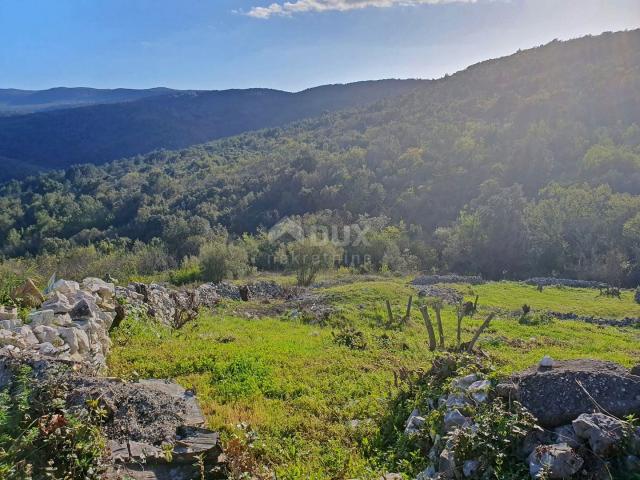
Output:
x=221 y=260
x=308 y=257
x=351 y=338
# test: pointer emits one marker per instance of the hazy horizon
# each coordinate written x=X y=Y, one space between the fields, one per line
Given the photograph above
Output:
x=293 y=46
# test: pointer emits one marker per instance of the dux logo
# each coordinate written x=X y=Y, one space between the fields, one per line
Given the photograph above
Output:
x=286 y=229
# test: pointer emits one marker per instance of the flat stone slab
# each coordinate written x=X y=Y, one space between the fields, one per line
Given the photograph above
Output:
x=559 y=394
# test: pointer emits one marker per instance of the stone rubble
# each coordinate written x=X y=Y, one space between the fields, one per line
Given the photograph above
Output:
x=577 y=441
x=71 y=322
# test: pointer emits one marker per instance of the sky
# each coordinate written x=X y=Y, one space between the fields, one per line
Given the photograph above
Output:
x=288 y=45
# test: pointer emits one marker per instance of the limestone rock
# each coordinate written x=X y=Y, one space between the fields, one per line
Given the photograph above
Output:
x=8 y=313
x=414 y=423
x=46 y=334
x=559 y=461
x=556 y=396
x=479 y=390
x=10 y=324
x=57 y=302
x=41 y=317
x=454 y=419
x=604 y=433
x=65 y=287
x=8 y=338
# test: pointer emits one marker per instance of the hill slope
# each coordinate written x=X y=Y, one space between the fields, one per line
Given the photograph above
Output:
x=523 y=165
x=100 y=133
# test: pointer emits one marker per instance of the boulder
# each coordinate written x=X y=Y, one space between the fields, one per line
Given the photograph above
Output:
x=46 y=334
x=8 y=338
x=65 y=287
x=462 y=384
x=8 y=313
x=566 y=434
x=57 y=302
x=447 y=464
x=103 y=289
x=28 y=295
x=41 y=317
x=604 y=433
x=558 y=395
x=479 y=390
x=70 y=337
x=557 y=461
x=10 y=324
x=27 y=335
x=454 y=419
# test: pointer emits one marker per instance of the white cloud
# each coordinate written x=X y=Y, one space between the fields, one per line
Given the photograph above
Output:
x=300 y=6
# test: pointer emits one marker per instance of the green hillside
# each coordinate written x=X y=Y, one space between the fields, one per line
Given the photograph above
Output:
x=528 y=164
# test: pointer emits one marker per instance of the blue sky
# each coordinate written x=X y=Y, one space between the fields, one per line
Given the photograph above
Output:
x=215 y=44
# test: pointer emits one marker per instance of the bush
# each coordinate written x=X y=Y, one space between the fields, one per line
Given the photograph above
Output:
x=351 y=338
x=308 y=257
x=223 y=260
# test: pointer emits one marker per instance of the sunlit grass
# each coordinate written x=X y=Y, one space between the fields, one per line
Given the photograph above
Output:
x=300 y=392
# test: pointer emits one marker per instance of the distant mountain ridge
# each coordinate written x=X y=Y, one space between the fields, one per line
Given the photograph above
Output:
x=166 y=120
x=16 y=101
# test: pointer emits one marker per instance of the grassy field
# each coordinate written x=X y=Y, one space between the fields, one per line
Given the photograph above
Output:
x=288 y=398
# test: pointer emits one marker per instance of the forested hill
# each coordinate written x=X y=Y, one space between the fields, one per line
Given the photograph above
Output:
x=164 y=119
x=522 y=165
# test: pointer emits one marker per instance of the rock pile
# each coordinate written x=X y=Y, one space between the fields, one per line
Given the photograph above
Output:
x=636 y=295
x=581 y=404
x=612 y=322
x=447 y=295
x=71 y=323
x=564 y=282
x=433 y=279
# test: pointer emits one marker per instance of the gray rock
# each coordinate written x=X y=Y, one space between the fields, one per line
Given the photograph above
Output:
x=8 y=338
x=470 y=468
x=447 y=464
x=557 y=395
x=454 y=419
x=428 y=474
x=65 y=287
x=10 y=324
x=456 y=401
x=414 y=423
x=566 y=434
x=47 y=348
x=603 y=433
x=27 y=335
x=41 y=317
x=47 y=334
x=479 y=390
x=462 y=384
x=8 y=313
x=557 y=461
x=57 y=302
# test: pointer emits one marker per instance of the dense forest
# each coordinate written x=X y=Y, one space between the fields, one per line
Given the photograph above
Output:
x=125 y=123
x=524 y=165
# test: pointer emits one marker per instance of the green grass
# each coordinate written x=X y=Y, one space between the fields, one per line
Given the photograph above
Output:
x=290 y=394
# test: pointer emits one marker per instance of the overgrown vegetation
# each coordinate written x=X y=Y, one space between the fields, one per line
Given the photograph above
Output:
x=40 y=439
